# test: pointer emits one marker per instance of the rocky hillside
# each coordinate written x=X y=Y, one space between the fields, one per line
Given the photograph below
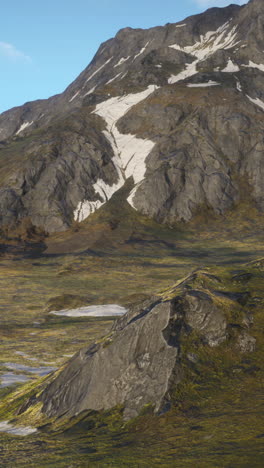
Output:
x=177 y=109
x=200 y=331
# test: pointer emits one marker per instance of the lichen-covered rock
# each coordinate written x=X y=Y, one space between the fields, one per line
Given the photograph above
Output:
x=141 y=361
x=246 y=343
x=202 y=315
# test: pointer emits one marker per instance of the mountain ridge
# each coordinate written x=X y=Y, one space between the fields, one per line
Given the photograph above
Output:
x=125 y=116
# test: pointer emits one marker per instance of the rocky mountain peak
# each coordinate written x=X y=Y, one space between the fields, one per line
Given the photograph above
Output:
x=178 y=108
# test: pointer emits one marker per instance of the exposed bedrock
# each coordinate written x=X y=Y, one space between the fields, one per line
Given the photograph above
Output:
x=141 y=361
x=178 y=108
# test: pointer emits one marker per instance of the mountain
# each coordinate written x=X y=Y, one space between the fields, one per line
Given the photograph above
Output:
x=176 y=110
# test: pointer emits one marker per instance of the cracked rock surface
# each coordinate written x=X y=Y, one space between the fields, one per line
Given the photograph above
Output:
x=142 y=361
x=200 y=111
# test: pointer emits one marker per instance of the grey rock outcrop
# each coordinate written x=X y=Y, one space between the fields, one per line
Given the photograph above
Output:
x=141 y=361
x=190 y=132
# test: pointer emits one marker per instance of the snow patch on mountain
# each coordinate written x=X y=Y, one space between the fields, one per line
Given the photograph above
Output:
x=203 y=85
x=142 y=50
x=251 y=64
x=122 y=60
x=99 y=69
x=23 y=126
x=231 y=67
x=211 y=42
x=114 y=78
x=256 y=101
x=208 y=45
x=238 y=86
x=90 y=92
x=190 y=70
x=133 y=192
x=130 y=152
x=85 y=208
x=75 y=95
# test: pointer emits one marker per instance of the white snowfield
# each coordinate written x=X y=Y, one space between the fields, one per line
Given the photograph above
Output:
x=238 y=86
x=122 y=60
x=208 y=45
x=231 y=67
x=5 y=426
x=90 y=91
x=98 y=69
x=190 y=70
x=203 y=85
x=130 y=152
x=142 y=50
x=108 y=310
x=256 y=101
x=114 y=78
x=251 y=64
x=23 y=126
x=74 y=96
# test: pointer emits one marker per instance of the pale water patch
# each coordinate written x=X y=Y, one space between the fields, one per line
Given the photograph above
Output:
x=23 y=431
x=108 y=310
x=41 y=371
x=9 y=378
x=26 y=356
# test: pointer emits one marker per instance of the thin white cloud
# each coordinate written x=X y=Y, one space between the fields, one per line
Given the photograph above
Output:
x=10 y=52
x=218 y=3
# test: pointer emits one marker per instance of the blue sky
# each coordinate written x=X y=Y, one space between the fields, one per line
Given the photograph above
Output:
x=44 y=45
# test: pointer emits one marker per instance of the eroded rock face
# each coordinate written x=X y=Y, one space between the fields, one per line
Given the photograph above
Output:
x=202 y=315
x=178 y=108
x=140 y=362
x=133 y=370
x=198 y=330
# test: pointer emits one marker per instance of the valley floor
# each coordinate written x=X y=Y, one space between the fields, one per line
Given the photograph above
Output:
x=215 y=426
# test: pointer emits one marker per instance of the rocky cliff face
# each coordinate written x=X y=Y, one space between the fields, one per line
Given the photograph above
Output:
x=178 y=108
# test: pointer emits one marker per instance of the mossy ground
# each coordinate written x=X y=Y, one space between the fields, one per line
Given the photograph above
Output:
x=216 y=421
